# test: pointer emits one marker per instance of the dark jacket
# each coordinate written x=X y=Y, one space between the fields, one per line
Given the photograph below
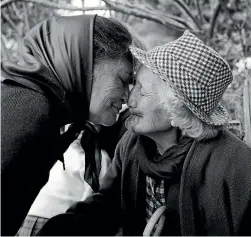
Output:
x=29 y=140
x=215 y=193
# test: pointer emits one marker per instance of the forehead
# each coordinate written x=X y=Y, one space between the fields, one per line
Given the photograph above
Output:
x=122 y=66
x=145 y=75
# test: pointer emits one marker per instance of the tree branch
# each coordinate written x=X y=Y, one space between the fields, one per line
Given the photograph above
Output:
x=213 y=20
x=53 y=5
x=153 y=15
x=199 y=12
x=182 y=5
x=26 y=17
x=12 y=25
x=147 y=8
x=130 y=9
x=16 y=11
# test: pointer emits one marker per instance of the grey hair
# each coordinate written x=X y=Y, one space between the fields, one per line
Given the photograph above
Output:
x=182 y=117
x=190 y=125
x=111 y=39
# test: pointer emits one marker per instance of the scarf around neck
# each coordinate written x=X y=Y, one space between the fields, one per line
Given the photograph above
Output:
x=57 y=54
x=167 y=166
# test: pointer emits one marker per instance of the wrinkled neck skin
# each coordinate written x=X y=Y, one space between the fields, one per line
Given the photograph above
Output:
x=165 y=140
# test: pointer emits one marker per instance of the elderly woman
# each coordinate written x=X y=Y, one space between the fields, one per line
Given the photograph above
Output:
x=177 y=171
x=72 y=70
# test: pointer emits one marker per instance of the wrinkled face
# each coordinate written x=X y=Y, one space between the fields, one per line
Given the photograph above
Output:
x=109 y=90
x=149 y=103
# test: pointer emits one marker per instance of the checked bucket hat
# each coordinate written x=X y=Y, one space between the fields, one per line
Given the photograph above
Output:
x=198 y=74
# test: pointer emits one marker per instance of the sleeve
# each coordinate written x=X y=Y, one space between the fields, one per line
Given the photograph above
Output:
x=240 y=189
x=98 y=214
x=25 y=136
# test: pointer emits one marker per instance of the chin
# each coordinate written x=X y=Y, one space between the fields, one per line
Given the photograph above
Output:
x=141 y=130
x=108 y=122
x=133 y=128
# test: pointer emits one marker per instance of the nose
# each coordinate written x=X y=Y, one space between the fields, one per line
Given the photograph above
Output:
x=125 y=95
x=132 y=98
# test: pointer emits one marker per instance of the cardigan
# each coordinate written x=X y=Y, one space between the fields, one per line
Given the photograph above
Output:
x=214 y=199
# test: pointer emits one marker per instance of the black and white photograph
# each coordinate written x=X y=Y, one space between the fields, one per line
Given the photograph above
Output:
x=125 y=118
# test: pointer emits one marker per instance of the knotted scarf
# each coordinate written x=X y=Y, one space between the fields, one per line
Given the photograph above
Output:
x=57 y=54
x=167 y=166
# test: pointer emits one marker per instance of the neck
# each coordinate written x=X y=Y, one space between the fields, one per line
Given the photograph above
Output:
x=165 y=140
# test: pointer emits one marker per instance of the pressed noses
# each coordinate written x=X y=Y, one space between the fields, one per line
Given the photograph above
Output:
x=132 y=98
x=125 y=95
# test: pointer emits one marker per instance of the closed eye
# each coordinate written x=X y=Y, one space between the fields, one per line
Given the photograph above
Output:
x=142 y=92
x=123 y=81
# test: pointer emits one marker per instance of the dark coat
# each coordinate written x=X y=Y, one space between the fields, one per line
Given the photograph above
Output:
x=29 y=139
x=215 y=193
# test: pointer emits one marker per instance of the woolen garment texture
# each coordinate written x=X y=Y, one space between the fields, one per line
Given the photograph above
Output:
x=48 y=87
x=214 y=198
x=29 y=143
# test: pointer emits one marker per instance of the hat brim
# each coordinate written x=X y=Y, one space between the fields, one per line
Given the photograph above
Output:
x=219 y=116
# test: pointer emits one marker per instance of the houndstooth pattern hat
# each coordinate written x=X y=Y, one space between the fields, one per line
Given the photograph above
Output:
x=198 y=74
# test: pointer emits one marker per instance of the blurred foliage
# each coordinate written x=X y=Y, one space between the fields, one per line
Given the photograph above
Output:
x=225 y=25
x=16 y=13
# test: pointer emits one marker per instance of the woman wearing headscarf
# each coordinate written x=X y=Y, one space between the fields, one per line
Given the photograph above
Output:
x=177 y=170
x=72 y=70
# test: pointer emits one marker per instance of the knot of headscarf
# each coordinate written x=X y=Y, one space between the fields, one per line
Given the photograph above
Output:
x=89 y=143
x=57 y=56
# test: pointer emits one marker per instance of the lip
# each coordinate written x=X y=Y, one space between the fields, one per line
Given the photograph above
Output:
x=136 y=113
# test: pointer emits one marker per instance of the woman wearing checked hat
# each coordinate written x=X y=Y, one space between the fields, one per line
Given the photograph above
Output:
x=177 y=170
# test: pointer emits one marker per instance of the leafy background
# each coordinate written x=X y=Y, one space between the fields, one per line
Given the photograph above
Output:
x=225 y=25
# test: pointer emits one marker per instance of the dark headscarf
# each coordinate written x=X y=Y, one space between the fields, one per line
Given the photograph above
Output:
x=57 y=56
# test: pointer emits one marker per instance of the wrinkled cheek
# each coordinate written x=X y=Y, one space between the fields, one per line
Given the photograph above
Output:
x=160 y=113
x=161 y=121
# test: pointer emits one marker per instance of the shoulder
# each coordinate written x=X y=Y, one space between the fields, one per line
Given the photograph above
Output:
x=21 y=101
x=127 y=143
x=231 y=145
x=224 y=155
x=24 y=111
